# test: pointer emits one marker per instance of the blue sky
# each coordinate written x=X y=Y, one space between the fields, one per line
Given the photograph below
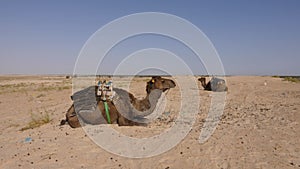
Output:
x=252 y=37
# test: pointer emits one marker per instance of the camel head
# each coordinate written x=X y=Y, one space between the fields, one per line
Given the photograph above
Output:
x=203 y=81
x=160 y=83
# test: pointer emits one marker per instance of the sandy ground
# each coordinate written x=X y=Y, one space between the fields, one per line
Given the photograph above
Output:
x=258 y=129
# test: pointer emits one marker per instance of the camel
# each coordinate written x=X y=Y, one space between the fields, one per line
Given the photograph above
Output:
x=215 y=84
x=133 y=110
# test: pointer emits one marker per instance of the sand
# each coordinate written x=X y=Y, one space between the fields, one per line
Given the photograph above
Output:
x=259 y=127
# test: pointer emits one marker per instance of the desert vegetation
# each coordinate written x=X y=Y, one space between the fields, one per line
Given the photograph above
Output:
x=37 y=120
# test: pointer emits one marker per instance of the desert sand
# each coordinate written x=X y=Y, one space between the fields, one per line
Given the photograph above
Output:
x=258 y=129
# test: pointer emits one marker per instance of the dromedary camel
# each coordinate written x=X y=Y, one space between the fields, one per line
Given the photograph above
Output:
x=132 y=109
x=215 y=84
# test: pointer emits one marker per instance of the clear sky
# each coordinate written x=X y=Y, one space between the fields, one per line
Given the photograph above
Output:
x=258 y=37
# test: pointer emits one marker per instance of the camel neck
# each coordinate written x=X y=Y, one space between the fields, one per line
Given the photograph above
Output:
x=148 y=101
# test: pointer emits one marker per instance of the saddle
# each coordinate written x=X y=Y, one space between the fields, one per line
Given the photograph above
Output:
x=105 y=90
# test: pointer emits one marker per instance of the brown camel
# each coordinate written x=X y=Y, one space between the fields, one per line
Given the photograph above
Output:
x=215 y=84
x=132 y=110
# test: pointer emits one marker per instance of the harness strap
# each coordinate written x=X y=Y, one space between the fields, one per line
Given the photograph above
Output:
x=107 y=112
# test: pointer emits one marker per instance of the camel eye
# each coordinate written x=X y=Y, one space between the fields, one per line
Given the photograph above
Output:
x=163 y=81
